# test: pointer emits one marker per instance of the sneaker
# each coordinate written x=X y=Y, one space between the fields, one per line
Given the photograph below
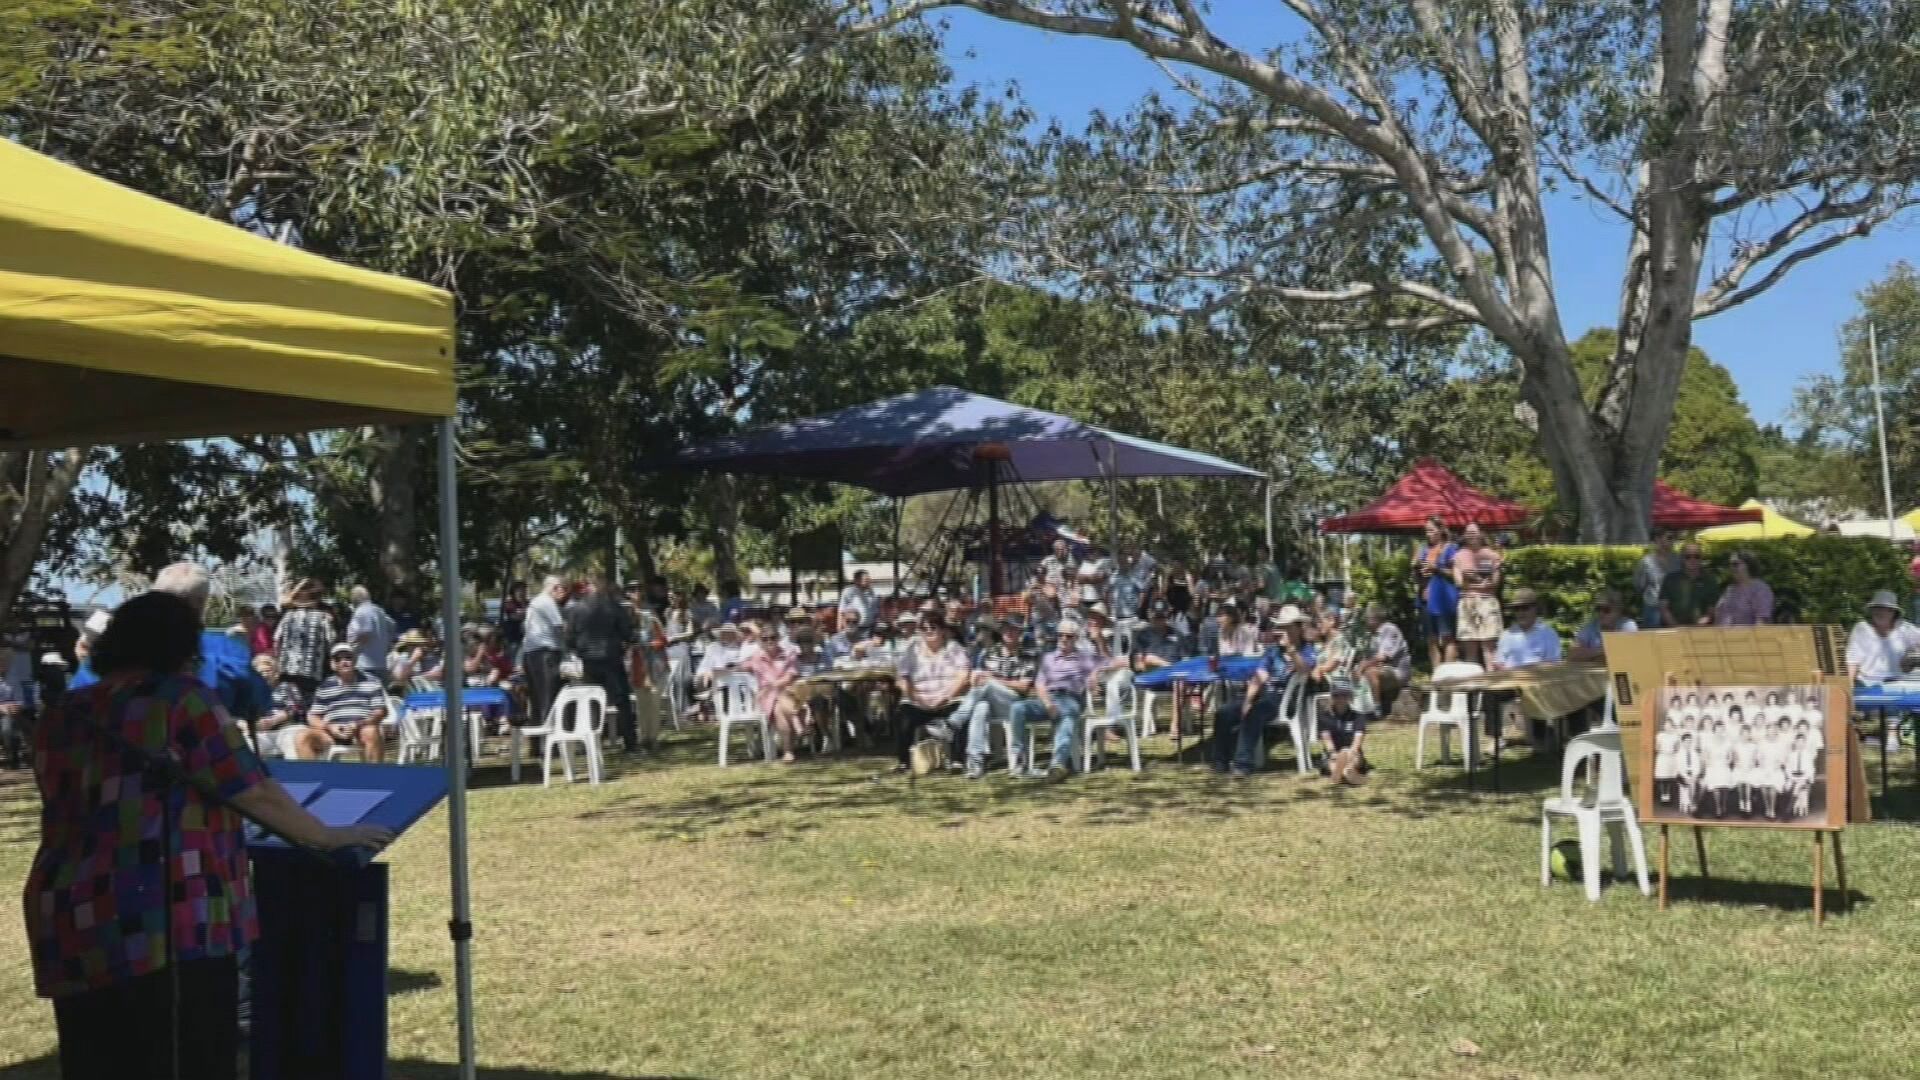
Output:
x=976 y=770
x=1217 y=770
x=1057 y=773
x=1242 y=774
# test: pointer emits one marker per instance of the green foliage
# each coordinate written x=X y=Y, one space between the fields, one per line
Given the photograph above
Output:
x=1838 y=411
x=1815 y=579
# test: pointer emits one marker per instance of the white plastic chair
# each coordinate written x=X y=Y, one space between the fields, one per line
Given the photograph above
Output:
x=1144 y=699
x=738 y=708
x=579 y=718
x=587 y=699
x=415 y=743
x=1607 y=805
x=1299 y=718
x=1456 y=713
x=1114 y=715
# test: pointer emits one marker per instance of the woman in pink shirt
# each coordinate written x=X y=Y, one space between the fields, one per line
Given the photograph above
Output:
x=775 y=669
x=1748 y=601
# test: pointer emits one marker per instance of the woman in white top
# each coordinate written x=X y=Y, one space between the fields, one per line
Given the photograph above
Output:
x=1666 y=761
x=1775 y=743
x=1878 y=648
x=1747 y=768
x=1718 y=779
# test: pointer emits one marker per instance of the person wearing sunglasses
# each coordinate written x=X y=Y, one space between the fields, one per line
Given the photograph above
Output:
x=1689 y=594
x=350 y=706
x=1609 y=617
x=1747 y=600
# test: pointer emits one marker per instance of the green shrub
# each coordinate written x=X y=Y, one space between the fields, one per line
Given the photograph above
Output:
x=1816 y=579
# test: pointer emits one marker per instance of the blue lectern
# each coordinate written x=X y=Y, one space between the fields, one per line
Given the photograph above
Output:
x=319 y=970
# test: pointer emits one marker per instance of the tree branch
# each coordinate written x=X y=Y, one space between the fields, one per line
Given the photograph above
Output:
x=1718 y=299
x=1715 y=297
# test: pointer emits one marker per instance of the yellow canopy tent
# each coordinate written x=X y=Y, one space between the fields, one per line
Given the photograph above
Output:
x=126 y=319
x=1771 y=525
x=1911 y=519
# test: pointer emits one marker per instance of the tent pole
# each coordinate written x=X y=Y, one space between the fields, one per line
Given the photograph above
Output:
x=995 y=585
x=461 y=926
x=896 y=546
x=1113 y=520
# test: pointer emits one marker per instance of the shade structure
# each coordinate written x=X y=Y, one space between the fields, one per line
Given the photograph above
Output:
x=1911 y=519
x=945 y=439
x=1771 y=525
x=1675 y=510
x=1429 y=490
x=125 y=319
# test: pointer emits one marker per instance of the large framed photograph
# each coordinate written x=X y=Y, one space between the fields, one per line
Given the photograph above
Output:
x=1766 y=756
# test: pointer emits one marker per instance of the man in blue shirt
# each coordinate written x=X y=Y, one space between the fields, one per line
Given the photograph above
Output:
x=1528 y=641
x=1239 y=725
x=226 y=663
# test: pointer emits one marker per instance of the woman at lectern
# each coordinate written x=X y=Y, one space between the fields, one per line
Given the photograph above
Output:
x=144 y=781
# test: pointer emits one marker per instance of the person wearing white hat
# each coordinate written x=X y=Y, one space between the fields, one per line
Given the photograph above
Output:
x=1060 y=693
x=90 y=632
x=1883 y=644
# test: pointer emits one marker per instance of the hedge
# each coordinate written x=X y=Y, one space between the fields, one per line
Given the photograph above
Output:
x=1816 y=579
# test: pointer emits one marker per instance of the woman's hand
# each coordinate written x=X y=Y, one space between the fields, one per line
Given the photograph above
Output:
x=372 y=837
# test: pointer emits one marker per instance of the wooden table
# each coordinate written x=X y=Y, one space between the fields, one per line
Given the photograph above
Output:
x=1548 y=692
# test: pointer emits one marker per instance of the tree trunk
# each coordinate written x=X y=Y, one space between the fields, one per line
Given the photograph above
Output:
x=395 y=492
x=44 y=482
x=723 y=512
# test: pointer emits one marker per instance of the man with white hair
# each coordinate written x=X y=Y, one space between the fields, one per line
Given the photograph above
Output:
x=371 y=632
x=226 y=662
x=540 y=649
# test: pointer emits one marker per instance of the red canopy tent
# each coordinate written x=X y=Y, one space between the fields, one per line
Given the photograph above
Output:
x=1430 y=489
x=1674 y=510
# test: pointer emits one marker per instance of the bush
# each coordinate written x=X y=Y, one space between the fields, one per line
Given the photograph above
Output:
x=1816 y=579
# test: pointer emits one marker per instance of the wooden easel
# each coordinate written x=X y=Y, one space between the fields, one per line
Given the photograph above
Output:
x=1819 y=867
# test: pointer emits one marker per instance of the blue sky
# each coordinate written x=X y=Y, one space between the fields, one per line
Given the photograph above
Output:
x=1769 y=344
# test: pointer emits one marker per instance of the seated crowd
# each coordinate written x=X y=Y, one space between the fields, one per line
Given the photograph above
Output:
x=1064 y=654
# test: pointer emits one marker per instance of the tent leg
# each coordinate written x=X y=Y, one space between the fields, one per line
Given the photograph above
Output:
x=897 y=503
x=461 y=926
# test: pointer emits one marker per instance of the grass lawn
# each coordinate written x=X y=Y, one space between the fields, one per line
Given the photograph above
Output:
x=809 y=922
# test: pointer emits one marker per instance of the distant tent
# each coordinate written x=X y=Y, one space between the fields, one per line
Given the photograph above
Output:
x=1430 y=490
x=1675 y=510
x=1770 y=526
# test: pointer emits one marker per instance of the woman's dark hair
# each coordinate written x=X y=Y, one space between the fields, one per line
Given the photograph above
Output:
x=154 y=631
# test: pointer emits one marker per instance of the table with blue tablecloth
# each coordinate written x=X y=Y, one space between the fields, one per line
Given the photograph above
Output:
x=1884 y=700
x=1194 y=671
x=480 y=703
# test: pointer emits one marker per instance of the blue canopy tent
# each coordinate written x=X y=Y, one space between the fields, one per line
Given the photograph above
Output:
x=948 y=439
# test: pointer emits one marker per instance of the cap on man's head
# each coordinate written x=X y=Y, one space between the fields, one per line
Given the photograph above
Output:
x=1522 y=598
x=1339 y=685
x=342 y=649
x=1160 y=609
x=726 y=628
x=53 y=659
x=1289 y=615
x=798 y=614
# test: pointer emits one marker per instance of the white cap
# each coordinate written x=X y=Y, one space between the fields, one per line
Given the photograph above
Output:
x=97 y=623
x=53 y=659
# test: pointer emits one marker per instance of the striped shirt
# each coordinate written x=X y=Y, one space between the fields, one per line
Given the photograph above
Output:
x=348 y=703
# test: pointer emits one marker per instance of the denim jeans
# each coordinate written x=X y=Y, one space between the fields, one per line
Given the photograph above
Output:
x=977 y=711
x=1238 y=732
x=1064 y=726
x=1649 y=617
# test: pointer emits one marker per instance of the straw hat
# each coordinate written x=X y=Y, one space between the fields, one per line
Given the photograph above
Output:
x=413 y=637
x=1289 y=615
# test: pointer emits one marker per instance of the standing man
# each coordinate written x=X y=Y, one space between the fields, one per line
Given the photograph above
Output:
x=1651 y=575
x=540 y=651
x=706 y=613
x=859 y=597
x=371 y=632
x=226 y=662
x=1688 y=595
x=1059 y=567
x=1478 y=570
x=598 y=630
